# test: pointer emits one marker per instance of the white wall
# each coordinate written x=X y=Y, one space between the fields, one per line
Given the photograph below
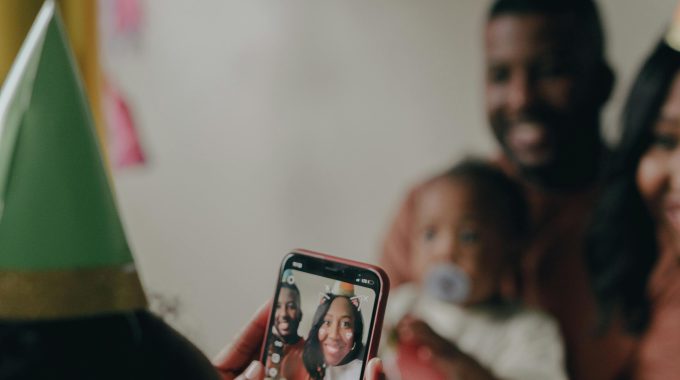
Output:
x=279 y=124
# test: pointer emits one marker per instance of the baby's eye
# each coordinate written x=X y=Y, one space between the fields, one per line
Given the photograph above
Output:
x=468 y=236
x=429 y=234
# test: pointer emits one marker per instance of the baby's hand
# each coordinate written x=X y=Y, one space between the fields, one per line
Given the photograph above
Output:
x=414 y=332
x=425 y=354
x=422 y=353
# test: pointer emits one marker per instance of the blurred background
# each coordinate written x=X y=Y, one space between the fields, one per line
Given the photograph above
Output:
x=261 y=126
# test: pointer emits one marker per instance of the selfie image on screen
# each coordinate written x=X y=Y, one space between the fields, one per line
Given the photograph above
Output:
x=319 y=328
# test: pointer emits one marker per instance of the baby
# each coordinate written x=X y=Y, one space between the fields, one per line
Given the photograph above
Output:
x=454 y=321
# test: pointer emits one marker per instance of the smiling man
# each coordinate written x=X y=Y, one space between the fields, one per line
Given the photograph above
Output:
x=546 y=82
x=284 y=350
x=288 y=314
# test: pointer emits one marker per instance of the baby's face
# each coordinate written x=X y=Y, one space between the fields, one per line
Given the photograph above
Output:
x=453 y=227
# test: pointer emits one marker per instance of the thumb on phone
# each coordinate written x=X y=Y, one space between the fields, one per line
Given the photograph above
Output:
x=374 y=370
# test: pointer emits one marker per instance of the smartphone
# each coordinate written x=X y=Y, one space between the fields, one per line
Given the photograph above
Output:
x=326 y=318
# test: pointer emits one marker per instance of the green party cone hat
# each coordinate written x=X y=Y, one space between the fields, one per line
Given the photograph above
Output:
x=63 y=252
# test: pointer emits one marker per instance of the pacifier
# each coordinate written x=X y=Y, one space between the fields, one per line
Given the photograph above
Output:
x=448 y=283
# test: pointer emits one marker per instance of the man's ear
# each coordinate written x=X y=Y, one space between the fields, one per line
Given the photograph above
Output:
x=596 y=86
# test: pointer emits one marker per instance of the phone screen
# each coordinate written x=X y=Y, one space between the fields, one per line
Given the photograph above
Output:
x=322 y=319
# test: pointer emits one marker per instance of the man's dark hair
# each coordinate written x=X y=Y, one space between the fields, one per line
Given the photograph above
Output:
x=581 y=17
x=622 y=248
x=292 y=287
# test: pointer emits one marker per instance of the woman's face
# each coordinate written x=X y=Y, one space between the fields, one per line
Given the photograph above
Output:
x=658 y=174
x=336 y=333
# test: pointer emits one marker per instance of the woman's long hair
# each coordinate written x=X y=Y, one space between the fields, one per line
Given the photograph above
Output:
x=312 y=355
x=622 y=247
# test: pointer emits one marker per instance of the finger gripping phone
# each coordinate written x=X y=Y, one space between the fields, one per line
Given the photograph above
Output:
x=326 y=318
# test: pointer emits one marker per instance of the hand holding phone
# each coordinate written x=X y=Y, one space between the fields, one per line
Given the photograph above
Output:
x=326 y=319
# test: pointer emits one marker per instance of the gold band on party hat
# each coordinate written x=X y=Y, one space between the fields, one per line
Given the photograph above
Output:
x=69 y=293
